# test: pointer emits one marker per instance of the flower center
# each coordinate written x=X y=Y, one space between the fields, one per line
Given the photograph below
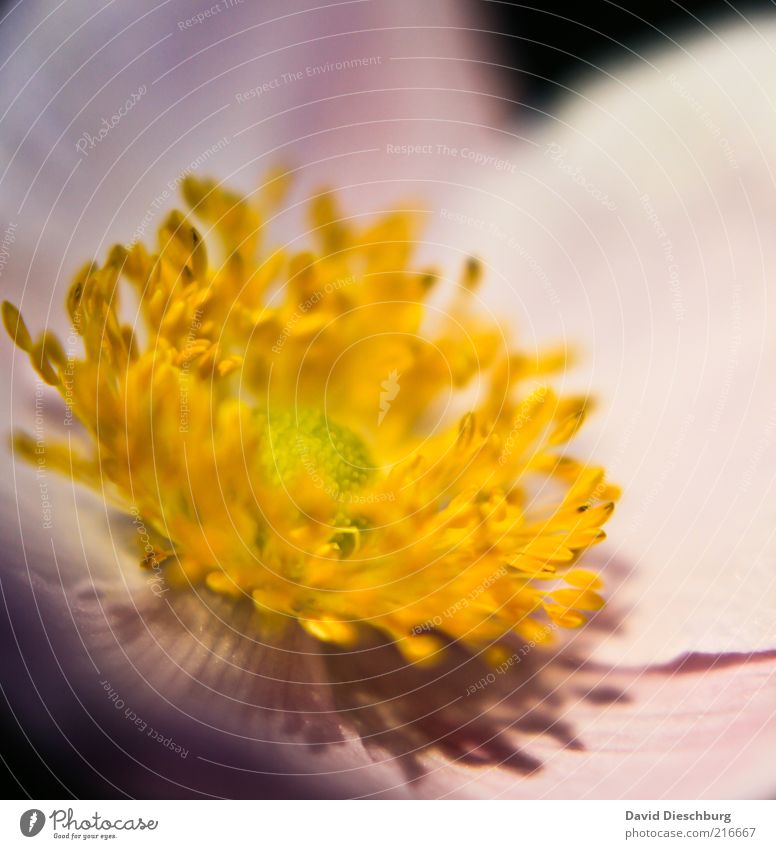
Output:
x=306 y=442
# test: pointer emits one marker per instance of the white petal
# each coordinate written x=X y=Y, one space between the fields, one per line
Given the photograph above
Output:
x=323 y=87
x=640 y=232
x=686 y=414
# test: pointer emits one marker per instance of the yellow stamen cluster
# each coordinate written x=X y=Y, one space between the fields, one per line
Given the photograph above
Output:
x=280 y=422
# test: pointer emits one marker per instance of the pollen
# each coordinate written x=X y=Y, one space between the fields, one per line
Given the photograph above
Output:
x=337 y=436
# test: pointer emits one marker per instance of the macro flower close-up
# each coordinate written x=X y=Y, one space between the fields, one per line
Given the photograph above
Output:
x=388 y=410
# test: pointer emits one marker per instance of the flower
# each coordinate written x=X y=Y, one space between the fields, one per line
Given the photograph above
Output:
x=237 y=417
x=633 y=223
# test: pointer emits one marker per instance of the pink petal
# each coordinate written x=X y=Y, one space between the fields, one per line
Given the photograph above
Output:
x=698 y=728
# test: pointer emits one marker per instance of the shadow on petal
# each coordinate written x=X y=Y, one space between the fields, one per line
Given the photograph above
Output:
x=463 y=709
x=129 y=681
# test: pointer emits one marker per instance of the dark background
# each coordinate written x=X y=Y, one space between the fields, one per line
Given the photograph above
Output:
x=551 y=45
x=545 y=50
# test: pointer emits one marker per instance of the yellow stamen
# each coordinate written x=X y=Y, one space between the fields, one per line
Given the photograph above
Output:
x=275 y=423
